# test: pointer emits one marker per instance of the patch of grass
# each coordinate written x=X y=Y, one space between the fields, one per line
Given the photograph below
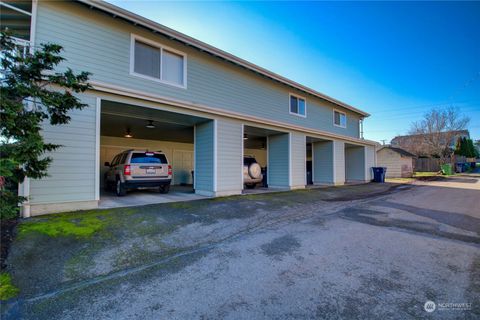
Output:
x=399 y=180
x=182 y=205
x=425 y=174
x=60 y=227
x=82 y=224
x=7 y=289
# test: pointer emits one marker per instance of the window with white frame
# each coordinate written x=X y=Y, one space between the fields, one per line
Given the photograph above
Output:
x=339 y=119
x=158 y=62
x=298 y=106
x=16 y=17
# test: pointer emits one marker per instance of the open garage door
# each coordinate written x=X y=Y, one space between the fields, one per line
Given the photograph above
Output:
x=130 y=127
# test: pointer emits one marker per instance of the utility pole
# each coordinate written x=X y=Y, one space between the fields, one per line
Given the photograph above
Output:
x=383 y=141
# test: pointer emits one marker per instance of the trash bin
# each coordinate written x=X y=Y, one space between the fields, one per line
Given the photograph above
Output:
x=446 y=169
x=264 y=182
x=459 y=167
x=309 y=177
x=379 y=174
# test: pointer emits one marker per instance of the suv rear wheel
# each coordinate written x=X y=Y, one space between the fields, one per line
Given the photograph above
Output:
x=120 y=189
x=164 y=188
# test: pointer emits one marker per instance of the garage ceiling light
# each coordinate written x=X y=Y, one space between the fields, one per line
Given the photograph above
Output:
x=245 y=136
x=128 y=133
x=150 y=125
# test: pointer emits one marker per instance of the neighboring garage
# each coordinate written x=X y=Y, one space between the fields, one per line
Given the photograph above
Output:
x=270 y=150
x=399 y=163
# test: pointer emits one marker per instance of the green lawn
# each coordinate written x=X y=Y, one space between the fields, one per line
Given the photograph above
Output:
x=425 y=174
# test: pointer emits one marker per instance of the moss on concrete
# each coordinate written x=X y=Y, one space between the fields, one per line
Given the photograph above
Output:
x=7 y=289
x=62 y=227
x=78 y=224
x=183 y=205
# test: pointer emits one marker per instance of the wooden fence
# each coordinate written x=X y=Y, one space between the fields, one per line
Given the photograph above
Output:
x=426 y=164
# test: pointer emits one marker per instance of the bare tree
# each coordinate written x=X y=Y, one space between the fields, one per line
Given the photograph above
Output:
x=436 y=133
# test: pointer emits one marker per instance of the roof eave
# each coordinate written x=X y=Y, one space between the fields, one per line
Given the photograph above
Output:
x=137 y=19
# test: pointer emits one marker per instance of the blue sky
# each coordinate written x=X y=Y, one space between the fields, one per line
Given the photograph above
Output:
x=395 y=60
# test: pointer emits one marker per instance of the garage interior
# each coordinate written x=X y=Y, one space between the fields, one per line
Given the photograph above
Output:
x=124 y=127
x=255 y=145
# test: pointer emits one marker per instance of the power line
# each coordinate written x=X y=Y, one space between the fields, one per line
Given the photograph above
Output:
x=395 y=130
x=419 y=113
x=428 y=105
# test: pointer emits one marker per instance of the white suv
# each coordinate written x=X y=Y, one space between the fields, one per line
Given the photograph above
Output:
x=138 y=169
x=252 y=172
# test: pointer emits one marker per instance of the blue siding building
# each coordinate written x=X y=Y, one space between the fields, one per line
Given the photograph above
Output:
x=209 y=107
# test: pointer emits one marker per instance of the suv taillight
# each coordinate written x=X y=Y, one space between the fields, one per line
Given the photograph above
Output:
x=169 y=170
x=126 y=170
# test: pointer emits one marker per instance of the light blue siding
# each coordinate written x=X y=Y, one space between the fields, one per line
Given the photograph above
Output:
x=100 y=44
x=322 y=155
x=72 y=171
x=204 y=157
x=229 y=156
x=355 y=163
x=298 y=154
x=278 y=161
x=339 y=161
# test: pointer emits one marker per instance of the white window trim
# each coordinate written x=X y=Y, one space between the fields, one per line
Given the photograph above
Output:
x=161 y=47
x=339 y=125
x=290 y=95
x=15 y=8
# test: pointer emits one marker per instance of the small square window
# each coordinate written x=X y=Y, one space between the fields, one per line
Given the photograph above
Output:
x=297 y=106
x=339 y=119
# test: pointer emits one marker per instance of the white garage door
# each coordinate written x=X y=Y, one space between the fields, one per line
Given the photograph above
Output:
x=182 y=165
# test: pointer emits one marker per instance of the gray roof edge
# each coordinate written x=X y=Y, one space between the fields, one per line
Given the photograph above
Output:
x=117 y=11
x=400 y=151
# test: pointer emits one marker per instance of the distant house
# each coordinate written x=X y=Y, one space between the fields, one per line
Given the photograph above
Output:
x=420 y=144
x=399 y=162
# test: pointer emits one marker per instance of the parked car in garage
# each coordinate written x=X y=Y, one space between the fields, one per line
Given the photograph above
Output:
x=252 y=172
x=133 y=169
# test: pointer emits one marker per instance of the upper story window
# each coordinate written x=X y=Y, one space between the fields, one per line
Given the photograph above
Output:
x=16 y=17
x=157 y=62
x=339 y=119
x=298 y=106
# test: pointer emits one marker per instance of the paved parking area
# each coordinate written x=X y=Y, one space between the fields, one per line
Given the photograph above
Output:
x=147 y=196
x=363 y=252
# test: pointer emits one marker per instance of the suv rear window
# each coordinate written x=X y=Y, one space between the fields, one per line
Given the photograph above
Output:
x=148 y=157
x=248 y=161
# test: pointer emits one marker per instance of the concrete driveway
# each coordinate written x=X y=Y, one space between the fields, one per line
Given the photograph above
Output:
x=363 y=252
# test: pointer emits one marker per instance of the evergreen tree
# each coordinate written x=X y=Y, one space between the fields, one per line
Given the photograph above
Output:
x=31 y=95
